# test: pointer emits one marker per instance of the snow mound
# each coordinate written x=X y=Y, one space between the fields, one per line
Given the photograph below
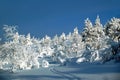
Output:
x=79 y=60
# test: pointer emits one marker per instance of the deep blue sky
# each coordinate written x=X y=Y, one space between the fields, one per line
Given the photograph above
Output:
x=51 y=17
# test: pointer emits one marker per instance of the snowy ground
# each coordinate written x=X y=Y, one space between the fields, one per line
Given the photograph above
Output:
x=82 y=71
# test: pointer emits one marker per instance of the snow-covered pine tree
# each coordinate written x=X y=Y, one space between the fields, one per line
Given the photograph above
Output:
x=55 y=40
x=86 y=31
x=28 y=40
x=112 y=29
x=77 y=44
x=95 y=40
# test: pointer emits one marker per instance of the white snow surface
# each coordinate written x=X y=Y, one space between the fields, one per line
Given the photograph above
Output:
x=72 y=71
x=81 y=60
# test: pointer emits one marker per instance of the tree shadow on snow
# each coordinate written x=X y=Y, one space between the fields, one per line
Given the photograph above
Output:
x=89 y=68
x=45 y=77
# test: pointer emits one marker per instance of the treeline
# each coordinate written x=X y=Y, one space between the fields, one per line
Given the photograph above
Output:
x=96 y=43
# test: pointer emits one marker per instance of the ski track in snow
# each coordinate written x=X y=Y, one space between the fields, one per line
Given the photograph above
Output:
x=68 y=76
x=70 y=72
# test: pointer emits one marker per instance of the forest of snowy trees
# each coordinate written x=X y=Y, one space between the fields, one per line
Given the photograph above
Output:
x=96 y=43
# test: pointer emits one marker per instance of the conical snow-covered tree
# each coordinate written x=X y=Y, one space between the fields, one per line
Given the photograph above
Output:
x=77 y=44
x=28 y=40
x=92 y=36
x=47 y=40
x=55 y=40
x=69 y=35
x=16 y=37
x=95 y=40
x=62 y=38
x=75 y=37
x=88 y=23
x=112 y=29
x=97 y=22
x=87 y=30
x=99 y=28
x=76 y=31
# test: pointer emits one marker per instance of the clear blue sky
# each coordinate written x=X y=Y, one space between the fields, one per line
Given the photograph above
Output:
x=51 y=17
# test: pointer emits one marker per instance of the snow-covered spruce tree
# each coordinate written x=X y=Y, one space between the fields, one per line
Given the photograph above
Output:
x=54 y=46
x=77 y=46
x=69 y=46
x=59 y=54
x=95 y=40
x=87 y=38
x=112 y=29
x=87 y=30
x=59 y=49
x=46 y=49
